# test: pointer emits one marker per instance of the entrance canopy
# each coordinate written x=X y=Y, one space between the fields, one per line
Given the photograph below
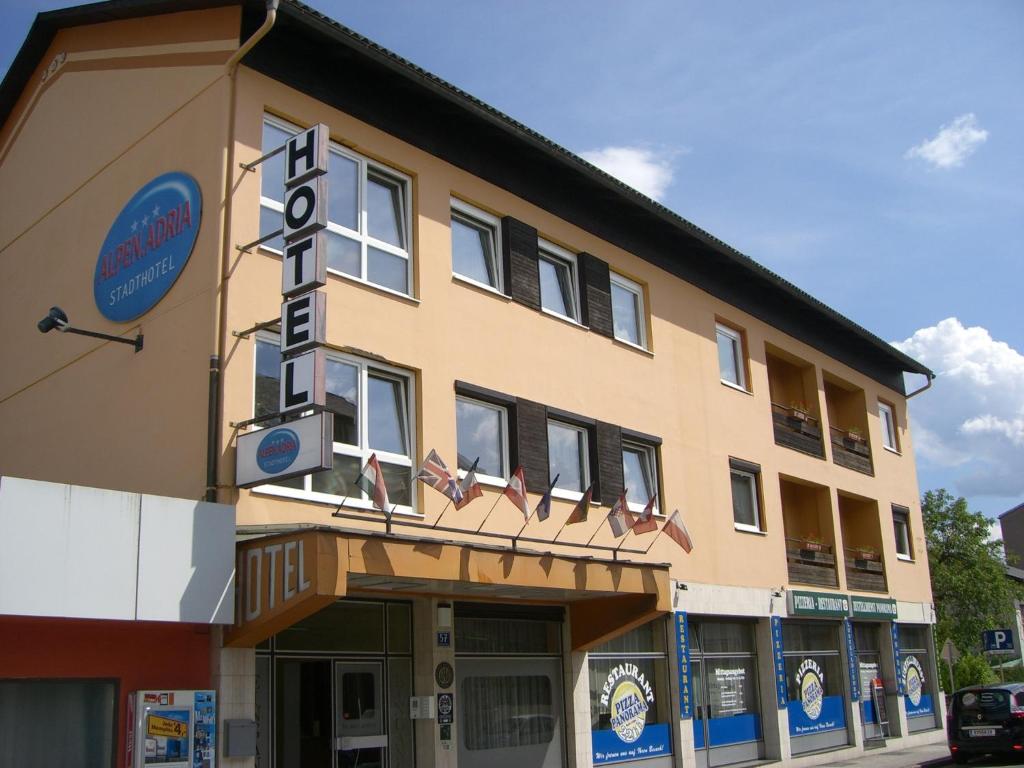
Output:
x=286 y=575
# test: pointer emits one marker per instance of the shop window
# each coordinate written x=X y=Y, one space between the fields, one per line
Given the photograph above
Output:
x=58 y=722
x=629 y=319
x=505 y=712
x=630 y=705
x=344 y=626
x=482 y=430
x=483 y=635
x=368 y=212
x=901 y=528
x=887 y=417
x=371 y=405
x=915 y=671
x=814 y=676
x=746 y=505
x=568 y=456
x=732 y=359
x=475 y=238
x=558 y=281
x=640 y=474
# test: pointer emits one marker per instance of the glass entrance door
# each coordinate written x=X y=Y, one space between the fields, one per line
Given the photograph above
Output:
x=360 y=735
x=509 y=712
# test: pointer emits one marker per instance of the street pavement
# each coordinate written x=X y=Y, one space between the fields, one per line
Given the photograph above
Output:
x=929 y=756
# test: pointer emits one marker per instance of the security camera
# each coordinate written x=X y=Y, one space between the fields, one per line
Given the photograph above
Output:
x=55 y=319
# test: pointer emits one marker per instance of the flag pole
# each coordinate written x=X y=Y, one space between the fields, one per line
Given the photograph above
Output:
x=550 y=488
x=589 y=490
x=657 y=536
x=488 y=513
x=591 y=539
x=606 y=517
x=337 y=509
x=471 y=471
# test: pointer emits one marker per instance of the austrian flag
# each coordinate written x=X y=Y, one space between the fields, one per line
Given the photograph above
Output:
x=435 y=474
x=516 y=492
x=371 y=480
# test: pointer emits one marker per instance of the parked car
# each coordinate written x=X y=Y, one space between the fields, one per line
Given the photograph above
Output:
x=986 y=719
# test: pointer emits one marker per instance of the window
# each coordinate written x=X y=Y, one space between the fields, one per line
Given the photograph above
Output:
x=568 y=456
x=639 y=474
x=746 y=512
x=901 y=527
x=731 y=357
x=371 y=405
x=628 y=311
x=367 y=211
x=482 y=434
x=475 y=245
x=888 y=419
x=558 y=281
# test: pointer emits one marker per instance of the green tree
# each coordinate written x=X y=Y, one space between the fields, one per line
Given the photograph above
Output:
x=969 y=584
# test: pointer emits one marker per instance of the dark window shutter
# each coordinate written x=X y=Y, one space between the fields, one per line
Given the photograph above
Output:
x=609 y=463
x=532 y=444
x=519 y=261
x=595 y=294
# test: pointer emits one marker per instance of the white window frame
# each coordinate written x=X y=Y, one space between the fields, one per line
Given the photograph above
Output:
x=503 y=413
x=901 y=519
x=755 y=501
x=739 y=355
x=887 y=418
x=650 y=456
x=362 y=451
x=473 y=216
x=641 y=319
x=565 y=493
x=367 y=168
x=553 y=254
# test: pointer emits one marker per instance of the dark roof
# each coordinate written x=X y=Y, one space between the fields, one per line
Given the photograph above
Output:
x=318 y=56
x=1018 y=508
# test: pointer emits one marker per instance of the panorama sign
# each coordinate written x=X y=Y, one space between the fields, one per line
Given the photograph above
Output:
x=147 y=247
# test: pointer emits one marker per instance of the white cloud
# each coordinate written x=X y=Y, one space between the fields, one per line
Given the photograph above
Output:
x=971 y=423
x=643 y=169
x=953 y=144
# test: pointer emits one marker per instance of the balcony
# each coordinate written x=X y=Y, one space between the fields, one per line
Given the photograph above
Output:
x=807 y=521
x=862 y=543
x=848 y=424
x=793 y=381
x=850 y=449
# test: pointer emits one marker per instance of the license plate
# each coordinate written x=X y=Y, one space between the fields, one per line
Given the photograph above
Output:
x=979 y=732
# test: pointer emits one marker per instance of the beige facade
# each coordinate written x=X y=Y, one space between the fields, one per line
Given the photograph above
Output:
x=112 y=104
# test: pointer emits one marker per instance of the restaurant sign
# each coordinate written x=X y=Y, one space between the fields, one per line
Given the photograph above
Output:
x=819 y=604
x=873 y=608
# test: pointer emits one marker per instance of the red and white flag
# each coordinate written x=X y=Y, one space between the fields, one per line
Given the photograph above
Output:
x=646 y=522
x=620 y=518
x=435 y=473
x=470 y=487
x=371 y=480
x=676 y=531
x=516 y=492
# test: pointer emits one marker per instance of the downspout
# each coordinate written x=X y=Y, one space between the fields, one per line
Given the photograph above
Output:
x=216 y=402
x=928 y=384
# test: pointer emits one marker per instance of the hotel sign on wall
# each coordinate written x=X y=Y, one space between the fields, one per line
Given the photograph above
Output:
x=147 y=247
x=304 y=445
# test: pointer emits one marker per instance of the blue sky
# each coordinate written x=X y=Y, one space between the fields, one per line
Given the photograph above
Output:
x=870 y=152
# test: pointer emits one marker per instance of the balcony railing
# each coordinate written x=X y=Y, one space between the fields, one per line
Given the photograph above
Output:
x=851 y=451
x=865 y=570
x=811 y=563
x=797 y=430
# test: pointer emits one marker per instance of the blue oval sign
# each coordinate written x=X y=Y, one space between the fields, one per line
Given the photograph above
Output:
x=277 y=451
x=147 y=247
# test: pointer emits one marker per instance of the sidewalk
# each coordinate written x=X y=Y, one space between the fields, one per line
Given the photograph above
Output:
x=928 y=756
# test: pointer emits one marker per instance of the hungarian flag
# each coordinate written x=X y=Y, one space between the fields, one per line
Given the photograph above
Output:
x=620 y=518
x=646 y=522
x=516 y=492
x=676 y=531
x=470 y=487
x=543 y=509
x=371 y=480
x=434 y=473
x=579 y=513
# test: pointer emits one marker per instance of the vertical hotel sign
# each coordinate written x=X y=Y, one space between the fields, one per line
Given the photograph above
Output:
x=302 y=445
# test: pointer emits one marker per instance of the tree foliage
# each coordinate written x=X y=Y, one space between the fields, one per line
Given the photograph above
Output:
x=969 y=584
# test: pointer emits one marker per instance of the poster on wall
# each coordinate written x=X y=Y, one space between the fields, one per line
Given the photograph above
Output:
x=813 y=711
x=629 y=696
x=917 y=701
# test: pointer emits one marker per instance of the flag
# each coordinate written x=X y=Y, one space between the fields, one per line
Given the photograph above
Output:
x=646 y=522
x=470 y=487
x=620 y=518
x=371 y=480
x=582 y=508
x=434 y=473
x=543 y=509
x=516 y=492
x=676 y=531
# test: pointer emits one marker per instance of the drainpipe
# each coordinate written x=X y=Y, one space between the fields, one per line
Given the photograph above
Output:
x=928 y=384
x=216 y=403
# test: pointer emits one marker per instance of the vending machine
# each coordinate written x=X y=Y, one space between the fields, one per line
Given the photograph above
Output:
x=172 y=729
